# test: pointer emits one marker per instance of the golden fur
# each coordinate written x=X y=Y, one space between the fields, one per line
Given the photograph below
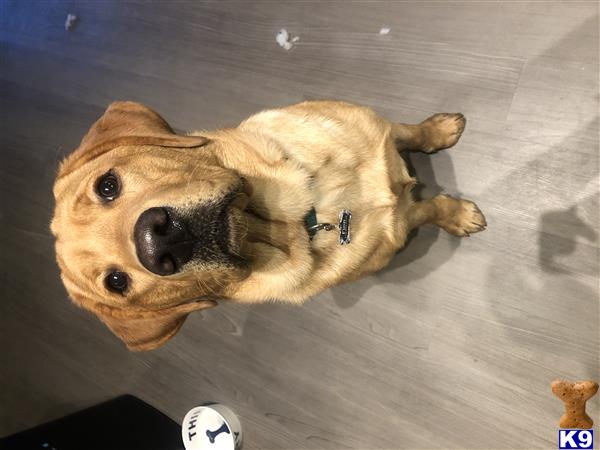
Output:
x=322 y=154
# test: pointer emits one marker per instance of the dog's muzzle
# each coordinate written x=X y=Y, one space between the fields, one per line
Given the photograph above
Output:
x=166 y=239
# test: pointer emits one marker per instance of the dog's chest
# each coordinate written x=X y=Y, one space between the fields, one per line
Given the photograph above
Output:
x=290 y=178
x=334 y=207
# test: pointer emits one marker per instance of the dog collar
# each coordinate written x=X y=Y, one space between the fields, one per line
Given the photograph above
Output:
x=313 y=226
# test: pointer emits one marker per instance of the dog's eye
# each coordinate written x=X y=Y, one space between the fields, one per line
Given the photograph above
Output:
x=117 y=281
x=108 y=186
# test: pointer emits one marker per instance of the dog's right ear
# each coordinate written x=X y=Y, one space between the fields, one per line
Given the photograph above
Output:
x=143 y=330
x=126 y=123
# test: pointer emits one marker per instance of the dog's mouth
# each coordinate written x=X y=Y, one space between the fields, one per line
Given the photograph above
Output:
x=216 y=230
x=169 y=240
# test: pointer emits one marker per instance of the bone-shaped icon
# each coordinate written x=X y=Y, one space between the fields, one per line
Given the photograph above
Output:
x=213 y=434
x=575 y=395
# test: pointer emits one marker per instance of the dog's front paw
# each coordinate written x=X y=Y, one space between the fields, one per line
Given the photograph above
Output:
x=461 y=217
x=443 y=130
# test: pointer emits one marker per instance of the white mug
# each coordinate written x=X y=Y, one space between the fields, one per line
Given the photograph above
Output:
x=211 y=427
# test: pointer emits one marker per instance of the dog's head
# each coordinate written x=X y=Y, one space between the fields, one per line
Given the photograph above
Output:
x=148 y=225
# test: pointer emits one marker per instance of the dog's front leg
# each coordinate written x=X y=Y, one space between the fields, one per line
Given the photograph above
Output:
x=436 y=133
x=457 y=217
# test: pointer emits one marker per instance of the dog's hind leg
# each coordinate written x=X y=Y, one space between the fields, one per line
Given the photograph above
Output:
x=435 y=133
x=457 y=217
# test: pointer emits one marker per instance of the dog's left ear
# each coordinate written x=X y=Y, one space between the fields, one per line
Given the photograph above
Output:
x=127 y=123
x=146 y=330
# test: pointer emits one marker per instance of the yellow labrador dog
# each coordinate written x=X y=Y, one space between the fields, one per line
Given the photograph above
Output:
x=151 y=225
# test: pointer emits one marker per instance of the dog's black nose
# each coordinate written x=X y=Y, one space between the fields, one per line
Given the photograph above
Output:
x=162 y=242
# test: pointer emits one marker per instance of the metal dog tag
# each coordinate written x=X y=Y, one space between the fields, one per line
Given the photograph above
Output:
x=344 y=226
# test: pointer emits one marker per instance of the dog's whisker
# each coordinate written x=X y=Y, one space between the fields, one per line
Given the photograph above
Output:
x=190 y=177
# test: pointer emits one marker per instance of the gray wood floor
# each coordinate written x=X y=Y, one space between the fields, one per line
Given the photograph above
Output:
x=454 y=345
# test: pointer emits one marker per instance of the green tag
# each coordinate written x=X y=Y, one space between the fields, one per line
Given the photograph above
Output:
x=310 y=222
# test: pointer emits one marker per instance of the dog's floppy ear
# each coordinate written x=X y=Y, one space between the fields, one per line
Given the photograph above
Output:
x=143 y=330
x=126 y=123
